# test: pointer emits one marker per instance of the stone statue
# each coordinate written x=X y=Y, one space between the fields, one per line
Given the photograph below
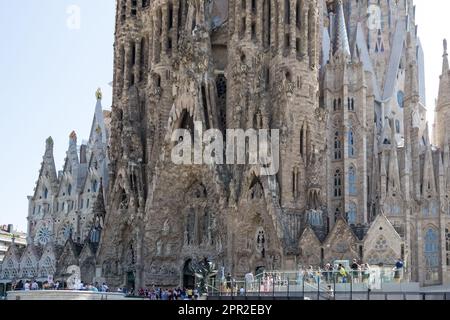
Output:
x=166 y=228
x=158 y=247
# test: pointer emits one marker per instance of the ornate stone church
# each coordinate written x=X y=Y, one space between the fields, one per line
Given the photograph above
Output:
x=342 y=81
x=66 y=211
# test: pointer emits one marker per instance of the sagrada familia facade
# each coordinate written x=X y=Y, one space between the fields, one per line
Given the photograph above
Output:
x=359 y=176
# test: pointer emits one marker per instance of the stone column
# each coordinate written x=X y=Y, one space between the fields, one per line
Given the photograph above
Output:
x=175 y=28
x=248 y=21
x=293 y=28
x=281 y=27
x=259 y=23
x=304 y=31
x=165 y=28
x=137 y=58
x=127 y=72
x=273 y=26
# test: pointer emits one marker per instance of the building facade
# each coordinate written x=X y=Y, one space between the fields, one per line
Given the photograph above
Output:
x=66 y=211
x=7 y=237
x=342 y=81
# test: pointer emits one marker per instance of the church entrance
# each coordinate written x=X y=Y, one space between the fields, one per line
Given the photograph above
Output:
x=130 y=281
x=259 y=272
x=188 y=275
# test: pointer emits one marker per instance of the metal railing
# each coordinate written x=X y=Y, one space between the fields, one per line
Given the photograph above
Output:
x=311 y=284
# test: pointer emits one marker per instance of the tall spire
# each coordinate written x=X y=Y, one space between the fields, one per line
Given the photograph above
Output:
x=445 y=67
x=341 y=44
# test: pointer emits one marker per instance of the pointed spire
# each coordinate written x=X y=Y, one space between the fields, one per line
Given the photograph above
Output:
x=341 y=43
x=445 y=65
x=49 y=146
x=73 y=137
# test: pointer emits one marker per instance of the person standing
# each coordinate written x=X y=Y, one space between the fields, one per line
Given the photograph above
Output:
x=355 y=271
x=330 y=293
x=35 y=285
x=398 y=270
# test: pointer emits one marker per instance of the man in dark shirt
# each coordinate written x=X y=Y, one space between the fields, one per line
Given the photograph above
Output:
x=355 y=269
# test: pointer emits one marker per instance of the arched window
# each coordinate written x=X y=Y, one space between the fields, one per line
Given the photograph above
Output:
x=337 y=214
x=337 y=184
x=45 y=193
x=397 y=126
x=351 y=215
x=334 y=105
x=69 y=190
x=298 y=14
x=337 y=146
x=352 y=181
x=94 y=186
x=351 y=143
x=431 y=250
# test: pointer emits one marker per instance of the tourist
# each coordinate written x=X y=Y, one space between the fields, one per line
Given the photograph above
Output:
x=330 y=293
x=242 y=291
x=398 y=270
x=27 y=286
x=342 y=273
x=229 y=280
x=105 y=288
x=119 y=290
x=196 y=294
x=365 y=273
x=355 y=270
x=34 y=285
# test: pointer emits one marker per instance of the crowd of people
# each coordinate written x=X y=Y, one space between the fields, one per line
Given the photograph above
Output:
x=168 y=294
x=330 y=273
x=31 y=285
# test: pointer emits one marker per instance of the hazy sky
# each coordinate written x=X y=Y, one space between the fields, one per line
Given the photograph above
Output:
x=51 y=64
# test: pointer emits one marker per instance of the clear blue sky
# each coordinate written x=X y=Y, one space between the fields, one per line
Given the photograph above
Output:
x=49 y=73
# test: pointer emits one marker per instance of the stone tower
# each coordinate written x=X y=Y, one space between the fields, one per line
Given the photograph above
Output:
x=443 y=103
x=341 y=81
x=226 y=65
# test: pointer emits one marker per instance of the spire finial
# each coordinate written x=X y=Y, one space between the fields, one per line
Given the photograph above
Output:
x=73 y=136
x=98 y=94
x=445 y=65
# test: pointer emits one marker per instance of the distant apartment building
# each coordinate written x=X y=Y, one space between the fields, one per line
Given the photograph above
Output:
x=7 y=236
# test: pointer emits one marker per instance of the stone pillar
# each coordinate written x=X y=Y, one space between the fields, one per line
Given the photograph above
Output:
x=127 y=72
x=248 y=21
x=175 y=28
x=272 y=25
x=304 y=31
x=137 y=60
x=281 y=27
x=259 y=23
x=293 y=28
x=165 y=29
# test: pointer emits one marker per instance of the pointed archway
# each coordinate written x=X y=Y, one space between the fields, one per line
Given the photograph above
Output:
x=188 y=275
